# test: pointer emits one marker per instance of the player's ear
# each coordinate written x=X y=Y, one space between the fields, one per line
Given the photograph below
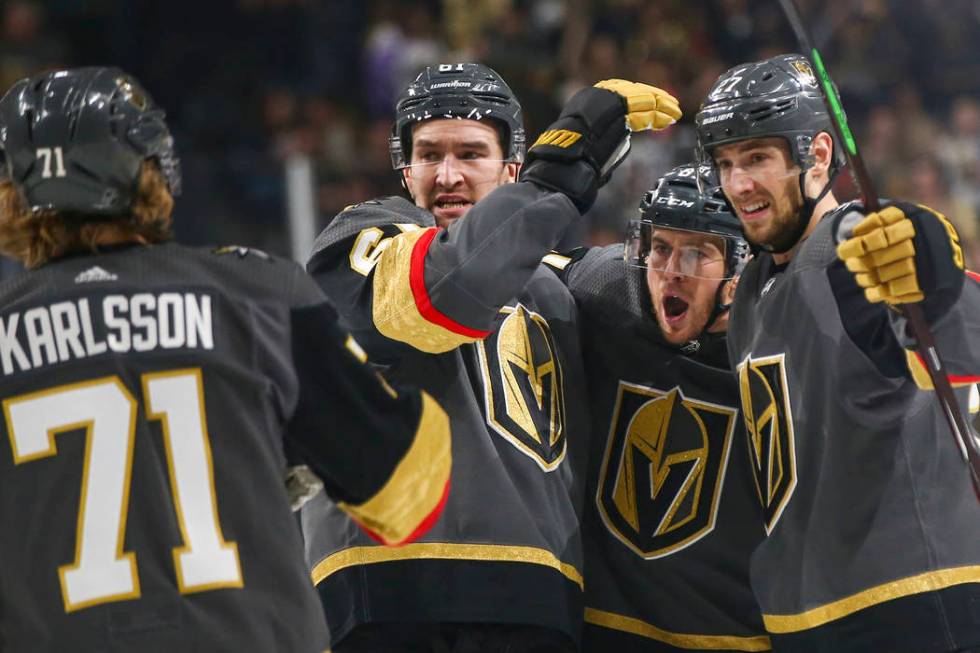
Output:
x=728 y=292
x=511 y=170
x=407 y=181
x=822 y=149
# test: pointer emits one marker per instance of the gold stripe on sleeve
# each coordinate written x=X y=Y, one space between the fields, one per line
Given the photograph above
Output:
x=921 y=375
x=395 y=310
x=416 y=486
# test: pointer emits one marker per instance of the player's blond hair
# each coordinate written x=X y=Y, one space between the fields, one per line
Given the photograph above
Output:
x=36 y=238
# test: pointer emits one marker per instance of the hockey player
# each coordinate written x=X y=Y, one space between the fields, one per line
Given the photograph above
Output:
x=147 y=391
x=871 y=518
x=671 y=514
x=449 y=291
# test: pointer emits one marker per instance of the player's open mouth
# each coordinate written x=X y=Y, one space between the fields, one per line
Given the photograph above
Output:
x=675 y=308
x=452 y=204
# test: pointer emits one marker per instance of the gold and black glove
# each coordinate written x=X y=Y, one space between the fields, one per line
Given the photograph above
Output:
x=578 y=152
x=906 y=253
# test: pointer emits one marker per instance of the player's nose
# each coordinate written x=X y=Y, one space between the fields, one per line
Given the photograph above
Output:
x=740 y=181
x=449 y=172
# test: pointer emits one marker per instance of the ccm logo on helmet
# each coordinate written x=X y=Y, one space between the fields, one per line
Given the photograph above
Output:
x=673 y=201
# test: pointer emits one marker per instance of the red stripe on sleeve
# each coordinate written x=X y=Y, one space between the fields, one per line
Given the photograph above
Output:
x=973 y=275
x=420 y=530
x=953 y=378
x=430 y=519
x=416 y=280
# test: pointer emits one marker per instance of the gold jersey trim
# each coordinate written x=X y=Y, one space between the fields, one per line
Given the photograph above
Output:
x=416 y=486
x=930 y=581
x=920 y=374
x=367 y=555
x=395 y=310
x=681 y=640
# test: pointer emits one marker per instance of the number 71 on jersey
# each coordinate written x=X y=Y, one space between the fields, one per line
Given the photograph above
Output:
x=106 y=410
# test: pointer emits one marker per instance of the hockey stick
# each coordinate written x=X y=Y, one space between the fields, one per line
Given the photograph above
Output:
x=926 y=343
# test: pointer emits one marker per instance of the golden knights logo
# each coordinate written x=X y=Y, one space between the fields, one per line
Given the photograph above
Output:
x=804 y=69
x=525 y=400
x=663 y=470
x=769 y=425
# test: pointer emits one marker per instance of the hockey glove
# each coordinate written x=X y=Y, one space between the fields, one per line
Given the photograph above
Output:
x=578 y=152
x=906 y=253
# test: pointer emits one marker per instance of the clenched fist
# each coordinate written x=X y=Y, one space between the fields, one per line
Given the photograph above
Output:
x=578 y=152
x=906 y=253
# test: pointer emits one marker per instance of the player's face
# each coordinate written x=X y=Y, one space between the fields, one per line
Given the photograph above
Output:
x=762 y=184
x=455 y=163
x=684 y=270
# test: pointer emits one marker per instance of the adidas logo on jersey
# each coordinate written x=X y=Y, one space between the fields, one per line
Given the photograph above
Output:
x=766 y=288
x=95 y=274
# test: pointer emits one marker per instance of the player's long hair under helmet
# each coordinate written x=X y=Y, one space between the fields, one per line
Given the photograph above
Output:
x=74 y=140
x=779 y=96
x=467 y=91
x=684 y=199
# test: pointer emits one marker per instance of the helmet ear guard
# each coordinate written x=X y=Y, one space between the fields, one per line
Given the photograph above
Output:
x=468 y=91
x=75 y=140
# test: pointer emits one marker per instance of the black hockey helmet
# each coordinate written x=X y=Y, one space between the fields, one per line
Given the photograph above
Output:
x=679 y=201
x=469 y=91
x=74 y=140
x=779 y=96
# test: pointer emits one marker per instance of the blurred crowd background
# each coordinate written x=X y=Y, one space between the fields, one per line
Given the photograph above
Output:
x=247 y=84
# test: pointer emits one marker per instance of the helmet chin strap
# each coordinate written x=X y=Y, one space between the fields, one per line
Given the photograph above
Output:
x=805 y=214
x=719 y=308
x=694 y=345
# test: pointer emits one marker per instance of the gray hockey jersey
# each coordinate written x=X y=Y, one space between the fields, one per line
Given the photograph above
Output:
x=671 y=515
x=148 y=395
x=873 y=526
x=470 y=315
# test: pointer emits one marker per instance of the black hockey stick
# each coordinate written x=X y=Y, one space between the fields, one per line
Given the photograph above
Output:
x=926 y=343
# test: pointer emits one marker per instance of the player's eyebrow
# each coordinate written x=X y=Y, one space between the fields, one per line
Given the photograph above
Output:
x=754 y=144
x=468 y=145
x=474 y=145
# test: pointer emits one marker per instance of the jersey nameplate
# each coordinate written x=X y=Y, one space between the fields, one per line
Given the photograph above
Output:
x=140 y=322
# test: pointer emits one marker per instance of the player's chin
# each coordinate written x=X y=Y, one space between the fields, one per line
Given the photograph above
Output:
x=759 y=236
x=675 y=331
